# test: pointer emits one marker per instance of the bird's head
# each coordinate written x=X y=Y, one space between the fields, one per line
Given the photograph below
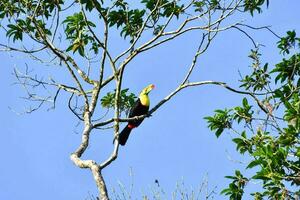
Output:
x=147 y=89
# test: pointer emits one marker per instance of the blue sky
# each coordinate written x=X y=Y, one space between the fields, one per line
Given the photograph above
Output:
x=173 y=145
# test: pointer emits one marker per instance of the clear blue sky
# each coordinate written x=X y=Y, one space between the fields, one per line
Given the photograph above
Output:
x=172 y=145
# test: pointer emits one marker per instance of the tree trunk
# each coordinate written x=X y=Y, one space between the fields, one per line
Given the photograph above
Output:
x=103 y=195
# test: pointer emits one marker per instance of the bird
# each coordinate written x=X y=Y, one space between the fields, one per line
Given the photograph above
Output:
x=140 y=107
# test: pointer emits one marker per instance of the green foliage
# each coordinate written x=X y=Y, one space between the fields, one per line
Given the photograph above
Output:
x=199 y=5
x=128 y=20
x=131 y=21
x=254 y=5
x=223 y=118
x=288 y=42
x=77 y=32
x=219 y=122
x=8 y=9
x=270 y=140
x=17 y=30
x=127 y=100
x=260 y=77
x=168 y=7
x=288 y=69
x=236 y=188
x=90 y=4
x=14 y=8
x=23 y=17
x=243 y=112
x=243 y=144
x=292 y=113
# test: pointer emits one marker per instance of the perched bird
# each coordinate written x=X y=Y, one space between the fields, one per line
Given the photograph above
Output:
x=140 y=107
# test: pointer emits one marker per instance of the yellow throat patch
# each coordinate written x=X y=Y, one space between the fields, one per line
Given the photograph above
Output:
x=145 y=101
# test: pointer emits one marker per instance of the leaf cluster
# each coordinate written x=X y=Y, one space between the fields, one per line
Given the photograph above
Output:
x=131 y=21
x=260 y=76
x=236 y=188
x=288 y=42
x=77 y=32
x=271 y=141
x=254 y=5
x=223 y=119
x=17 y=30
x=15 y=8
x=28 y=17
x=126 y=102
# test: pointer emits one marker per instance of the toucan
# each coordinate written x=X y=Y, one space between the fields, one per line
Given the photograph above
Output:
x=140 y=107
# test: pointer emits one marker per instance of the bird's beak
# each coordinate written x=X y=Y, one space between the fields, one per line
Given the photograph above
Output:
x=149 y=88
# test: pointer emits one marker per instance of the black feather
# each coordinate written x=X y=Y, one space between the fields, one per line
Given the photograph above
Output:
x=137 y=110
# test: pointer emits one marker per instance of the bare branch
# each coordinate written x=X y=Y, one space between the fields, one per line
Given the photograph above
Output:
x=9 y=48
x=29 y=83
x=244 y=32
x=268 y=28
x=173 y=93
x=157 y=6
x=73 y=110
x=150 y=44
x=103 y=45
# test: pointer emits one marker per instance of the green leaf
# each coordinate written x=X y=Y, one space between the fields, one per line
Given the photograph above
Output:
x=253 y=164
x=245 y=102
